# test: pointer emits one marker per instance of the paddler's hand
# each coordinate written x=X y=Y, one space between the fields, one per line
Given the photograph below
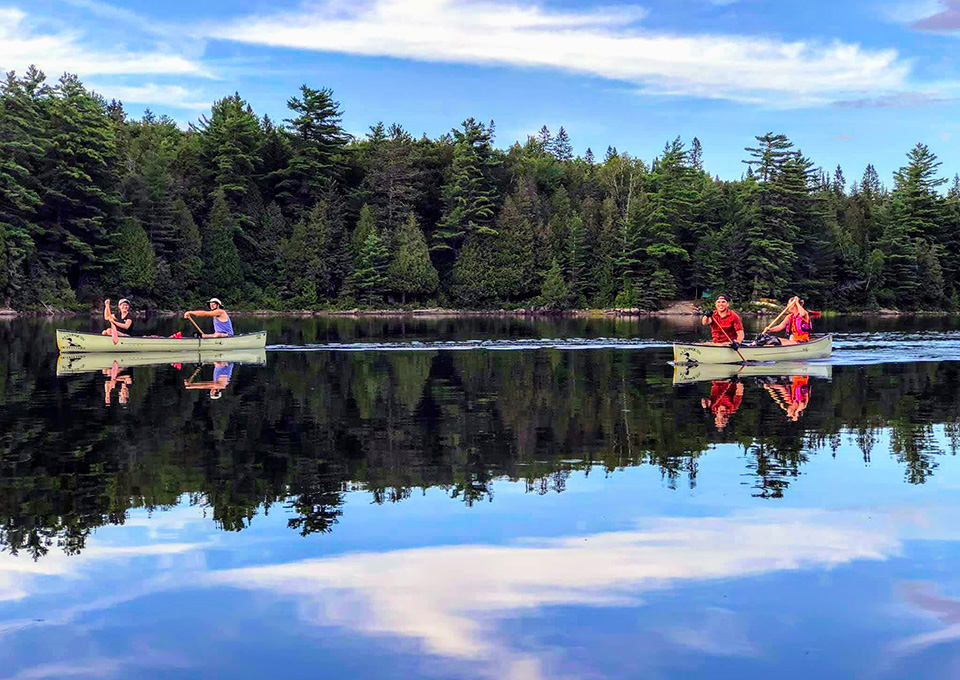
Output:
x=705 y=319
x=734 y=345
x=187 y=315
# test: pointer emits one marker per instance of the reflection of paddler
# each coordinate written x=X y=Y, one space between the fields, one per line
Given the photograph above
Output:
x=114 y=378
x=222 y=373
x=725 y=398
x=793 y=398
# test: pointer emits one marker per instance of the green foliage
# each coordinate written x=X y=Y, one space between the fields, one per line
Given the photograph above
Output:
x=276 y=204
x=318 y=140
x=411 y=272
x=222 y=267
x=137 y=263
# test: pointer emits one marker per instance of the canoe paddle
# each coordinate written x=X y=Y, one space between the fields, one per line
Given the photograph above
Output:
x=735 y=349
x=195 y=325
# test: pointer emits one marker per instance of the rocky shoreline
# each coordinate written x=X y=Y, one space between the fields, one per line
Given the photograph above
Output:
x=678 y=309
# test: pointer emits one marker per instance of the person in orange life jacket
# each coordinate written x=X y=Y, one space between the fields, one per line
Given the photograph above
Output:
x=792 y=398
x=222 y=325
x=797 y=323
x=726 y=327
x=125 y=321
x=725 y=398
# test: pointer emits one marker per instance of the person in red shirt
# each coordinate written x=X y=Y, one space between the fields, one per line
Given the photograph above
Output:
x=725 y=398
x=726 y=327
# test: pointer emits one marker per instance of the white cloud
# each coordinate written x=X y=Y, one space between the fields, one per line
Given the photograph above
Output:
x=21 y=45
x=173 y=96
x=604 y=43
x=450 y=598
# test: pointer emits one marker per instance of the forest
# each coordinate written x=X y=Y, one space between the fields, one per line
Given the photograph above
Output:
x=298 y=214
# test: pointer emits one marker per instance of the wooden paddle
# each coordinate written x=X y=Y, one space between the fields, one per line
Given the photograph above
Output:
x=731 y=341
x=195 y=325
x=774 y=322
x=108 y=315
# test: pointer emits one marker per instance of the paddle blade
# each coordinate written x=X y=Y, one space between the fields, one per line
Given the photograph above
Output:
x=115 y=334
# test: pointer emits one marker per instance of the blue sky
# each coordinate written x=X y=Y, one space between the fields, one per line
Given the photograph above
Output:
x=851 y=82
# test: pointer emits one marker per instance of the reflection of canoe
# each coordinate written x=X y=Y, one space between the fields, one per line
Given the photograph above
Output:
x=691 y=373
x=70 y=341
x=722 y=354
x=71 y=364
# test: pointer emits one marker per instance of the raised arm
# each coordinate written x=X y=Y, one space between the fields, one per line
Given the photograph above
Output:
x=201 y=312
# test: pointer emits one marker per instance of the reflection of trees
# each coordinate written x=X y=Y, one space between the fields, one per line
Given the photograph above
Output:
x=310 y=426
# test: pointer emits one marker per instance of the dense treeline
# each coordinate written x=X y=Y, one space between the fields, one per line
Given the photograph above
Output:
x=299 y=214
x=313 y=426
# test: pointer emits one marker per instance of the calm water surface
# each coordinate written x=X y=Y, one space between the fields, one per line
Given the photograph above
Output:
x=482 y=498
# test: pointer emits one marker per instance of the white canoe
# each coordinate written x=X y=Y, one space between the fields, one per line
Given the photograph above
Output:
x=74 y=363
x=705 y=353
x=691 y=373
x=71 y=341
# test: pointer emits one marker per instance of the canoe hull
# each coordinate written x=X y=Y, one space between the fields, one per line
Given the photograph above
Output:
x=71 y=341
x=75 y=363
x=721 y=354
x=693 y=373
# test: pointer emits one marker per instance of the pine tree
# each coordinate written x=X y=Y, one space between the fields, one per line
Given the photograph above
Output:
x=588 y=156
x=318 y=142
x=137 y=264
x=411 y=272
x=369 y=279
x=545 y=139
x=81 y=203
x=696 y=154
x=770 y=230
x=560 y=147
x=21 y=156
x=470 y=197
x=222 y=266
x=186 y=266
x=391 y=177
x=555 y=293
x=229 y=144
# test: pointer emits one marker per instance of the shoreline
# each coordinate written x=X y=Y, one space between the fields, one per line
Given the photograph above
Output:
x=674 y=311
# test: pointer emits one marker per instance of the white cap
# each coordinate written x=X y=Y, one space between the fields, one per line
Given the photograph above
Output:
x=122 y=300
x=217 y=300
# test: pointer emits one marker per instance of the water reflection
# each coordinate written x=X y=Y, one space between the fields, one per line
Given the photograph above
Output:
x=788 y=384
x=480 y=513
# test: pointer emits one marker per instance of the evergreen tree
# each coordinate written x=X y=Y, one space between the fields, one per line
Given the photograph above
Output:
x=229 y=145
x=470 y=197
x=411 y=272
x=137 y=264
x=391 y=177
x=81 y=202
x=555 y=293
x=560 y=146
x=588 y=156
x=222 y=268
x=186 y=266
x=696 y=154
x=369 y=279
x=318 y=142
x=21 y=156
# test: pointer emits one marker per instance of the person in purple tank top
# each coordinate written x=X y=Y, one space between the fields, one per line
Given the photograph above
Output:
x=222 y=326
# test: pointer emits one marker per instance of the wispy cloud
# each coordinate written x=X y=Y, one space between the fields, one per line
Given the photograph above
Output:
x=173 y=96
x=450 y=598
x=605 y=43
x=56 y=52
x=944 y=17
x=897 y=100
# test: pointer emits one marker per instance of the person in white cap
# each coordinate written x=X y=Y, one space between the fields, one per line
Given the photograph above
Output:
x=123 y=323
x=222 y=326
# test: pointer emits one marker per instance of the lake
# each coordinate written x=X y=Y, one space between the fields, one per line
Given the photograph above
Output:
x=482 y=498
